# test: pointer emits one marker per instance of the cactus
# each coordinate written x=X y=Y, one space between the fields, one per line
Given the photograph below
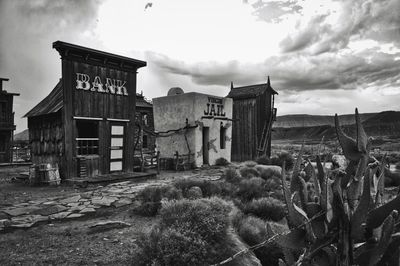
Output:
x=343 y=220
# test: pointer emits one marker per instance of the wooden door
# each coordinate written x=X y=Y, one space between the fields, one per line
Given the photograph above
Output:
x=117 y=147
x=206 y=145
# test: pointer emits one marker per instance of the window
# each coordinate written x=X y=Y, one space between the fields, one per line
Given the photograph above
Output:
x=87 y=141
x=145 y=142
x=222 y=137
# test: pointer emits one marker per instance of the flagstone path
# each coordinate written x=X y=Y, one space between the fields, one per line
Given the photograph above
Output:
x=77 y=205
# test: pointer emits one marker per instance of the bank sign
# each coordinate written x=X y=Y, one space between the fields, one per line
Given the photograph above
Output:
x=96 y=84
x=215 y=107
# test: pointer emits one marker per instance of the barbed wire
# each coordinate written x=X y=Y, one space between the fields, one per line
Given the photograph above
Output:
x=269 y=240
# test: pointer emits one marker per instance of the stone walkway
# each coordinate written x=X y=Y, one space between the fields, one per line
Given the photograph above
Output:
x=77 y=205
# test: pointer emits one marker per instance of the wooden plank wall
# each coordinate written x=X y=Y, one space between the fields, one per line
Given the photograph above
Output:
x=80 y=103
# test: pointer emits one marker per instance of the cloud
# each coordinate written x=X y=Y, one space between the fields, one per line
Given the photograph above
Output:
x=332 y=31
x=274 y=11
x=28 y=29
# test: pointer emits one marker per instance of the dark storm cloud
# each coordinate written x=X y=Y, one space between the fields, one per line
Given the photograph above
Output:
x=28 y=29
x=272 y=11
x=293 y=72
x=377 y=20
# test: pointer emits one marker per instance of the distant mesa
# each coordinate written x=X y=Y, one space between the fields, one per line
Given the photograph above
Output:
x=175 y=91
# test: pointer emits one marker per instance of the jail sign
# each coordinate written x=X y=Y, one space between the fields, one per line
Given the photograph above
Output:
x=215 y=107
x=107 y=85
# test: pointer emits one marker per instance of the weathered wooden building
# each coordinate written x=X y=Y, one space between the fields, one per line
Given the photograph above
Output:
x=253 y=115
x=145 y=117
x=86 y=125
x=7 y=126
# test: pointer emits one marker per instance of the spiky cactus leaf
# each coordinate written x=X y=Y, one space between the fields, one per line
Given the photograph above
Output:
x=282 y=263
x=313 y=176
x=292 y=217
x=376 y=216
x=321 y=172
x=305 y=220
x=360 y=214
x=374 y=252
x=380 y=184
x=354 y=191
x=322 y=258
x=314 y=211
x=338 y=205
x=294 y=240
x=349 y=145
x=362 y=138
x=294 y=182
x=309 y=170
x=392 y=252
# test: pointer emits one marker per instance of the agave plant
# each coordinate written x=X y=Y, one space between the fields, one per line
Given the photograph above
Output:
x=343 y=220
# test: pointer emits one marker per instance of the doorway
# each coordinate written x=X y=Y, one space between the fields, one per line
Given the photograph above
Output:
x=117 y=148
x=206 y=138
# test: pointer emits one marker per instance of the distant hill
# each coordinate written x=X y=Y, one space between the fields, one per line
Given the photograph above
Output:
x=302 y=120
x=22 y=136
x=375 y=124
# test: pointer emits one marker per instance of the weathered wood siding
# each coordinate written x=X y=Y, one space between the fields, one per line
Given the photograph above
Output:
x=82 y=103
x=250 y=116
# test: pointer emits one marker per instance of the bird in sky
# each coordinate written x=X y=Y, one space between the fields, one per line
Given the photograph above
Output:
x=148 y=5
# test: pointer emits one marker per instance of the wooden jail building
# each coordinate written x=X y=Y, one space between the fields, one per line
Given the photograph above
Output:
x=7 y=126
x=86 y=125
x=253 y=115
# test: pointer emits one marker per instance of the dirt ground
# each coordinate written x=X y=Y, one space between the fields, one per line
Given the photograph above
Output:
x=74 y=243
x=71 y=242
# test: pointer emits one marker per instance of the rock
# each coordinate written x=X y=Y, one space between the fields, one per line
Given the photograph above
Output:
x=267 y=171
x=107 y=225
x=122 y=202
x=27 y=221
x=104 y=201
x=21 y=211
x=60 y=215
x=88 y=210
x=3 y=215
x=75 y=215
x=70 y=199
x=77 y=208
x=51 y=210
x=5 y=223
x=194 y=193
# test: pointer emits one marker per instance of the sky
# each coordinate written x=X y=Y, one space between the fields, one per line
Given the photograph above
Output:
x=323 y=57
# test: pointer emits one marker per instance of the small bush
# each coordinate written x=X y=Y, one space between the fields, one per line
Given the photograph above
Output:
x=221 y=161
x=171 y=193
x=268 y=171
x=283 y=157
x=206 y=217
x=149 y=201
x=274 y=183
x=208 y=188
x=266 y=209
x=264 y=160
x=248 y=172
x=194 y=193
x=253 y=231
x=251 y=189
x=190 y=232
x=231 y=175
x=249 y=163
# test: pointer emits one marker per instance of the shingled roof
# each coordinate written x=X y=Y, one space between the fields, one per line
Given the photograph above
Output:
x=250 y=91
x=142 y=102
x=51 y=104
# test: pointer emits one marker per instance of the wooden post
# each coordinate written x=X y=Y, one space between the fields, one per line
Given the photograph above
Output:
x=158 y=162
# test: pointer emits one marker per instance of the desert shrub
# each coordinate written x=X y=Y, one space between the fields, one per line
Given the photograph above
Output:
x=190 y=232
x=249 y=163
x=268 y=171
x=228 y=190
x=253 y=230
x=208 y=188
x=231 y=175
x=252 y=188
x=274 y=183
x=149 y=201
x=264 y=160
x=171 y=193
x=283 y=157
x=221 y=161
x=206 y=217
x=248 y=172
x=194 y=193
x=266 y=208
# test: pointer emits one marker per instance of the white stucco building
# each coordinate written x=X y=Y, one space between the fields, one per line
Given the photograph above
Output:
x=194 y=123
